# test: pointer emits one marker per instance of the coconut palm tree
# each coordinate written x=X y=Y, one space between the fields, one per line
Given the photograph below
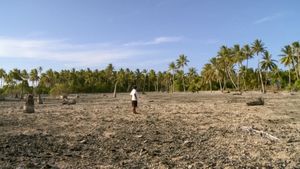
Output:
x=2 y=76
x=192 y=76
x=24 y=75
x=268 y=64
x=208 y=75
x=119 y=80
x=227 y=60
x=296 y=55
x=168 y=81
x=172 y=69
x=144 y=77
x=239 y=57
x=219 y=73
x=34 y=77
x=181 y=62
x=248 y=54
x=9 y=80
x=257 y=48
x=287 y=59
x=151 y=79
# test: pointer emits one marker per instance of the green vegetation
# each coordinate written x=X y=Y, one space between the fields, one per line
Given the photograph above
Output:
x=228 y=70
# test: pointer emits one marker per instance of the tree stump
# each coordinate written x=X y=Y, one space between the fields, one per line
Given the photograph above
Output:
x=29 y=104
x=256 y=102
x=40 y=100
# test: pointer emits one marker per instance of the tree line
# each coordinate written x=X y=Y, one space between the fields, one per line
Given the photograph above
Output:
x=228 y=70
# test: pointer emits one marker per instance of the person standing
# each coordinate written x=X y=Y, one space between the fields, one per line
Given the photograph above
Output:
x=134 y=99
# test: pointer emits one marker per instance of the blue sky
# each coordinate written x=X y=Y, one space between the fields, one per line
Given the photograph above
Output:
x=61 y=34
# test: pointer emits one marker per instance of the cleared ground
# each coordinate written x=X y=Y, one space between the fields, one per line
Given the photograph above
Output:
x=181 y=130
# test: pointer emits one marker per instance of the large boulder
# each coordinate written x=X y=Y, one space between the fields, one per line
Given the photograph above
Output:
x=29 y=104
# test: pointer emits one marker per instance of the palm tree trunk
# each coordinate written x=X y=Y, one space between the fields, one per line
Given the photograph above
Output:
x=157 y=83
x=290 y=87
x=229 y=75
x=210 y=86
x=239 y=85
x=144 y=85
x=220 y=84
x=244 y=81
x=294 y=67
x=266 y=81
x=224 y=86
x=298 y=63
x=261 y=81
x=173 y=81
x=183 y=83
x=115 y=90
x=22 y=89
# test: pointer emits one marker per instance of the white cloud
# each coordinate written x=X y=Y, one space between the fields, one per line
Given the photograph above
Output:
x=156 y=41
x=210 y=41
x=268 y=18
x=65 y=52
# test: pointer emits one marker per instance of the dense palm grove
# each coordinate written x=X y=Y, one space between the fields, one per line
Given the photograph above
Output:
x=228 y=70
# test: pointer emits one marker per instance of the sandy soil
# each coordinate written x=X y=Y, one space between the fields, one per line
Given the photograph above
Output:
x=192 y=130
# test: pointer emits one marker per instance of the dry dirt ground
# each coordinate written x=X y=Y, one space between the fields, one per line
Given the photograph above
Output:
x=191 y=130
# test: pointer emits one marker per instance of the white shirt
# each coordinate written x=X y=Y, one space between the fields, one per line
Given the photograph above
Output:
x=133 y=94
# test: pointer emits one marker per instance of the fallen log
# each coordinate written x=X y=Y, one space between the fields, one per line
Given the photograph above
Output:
x=68 y=101
x=256 y=102
x=237 y=93
x=261 y=133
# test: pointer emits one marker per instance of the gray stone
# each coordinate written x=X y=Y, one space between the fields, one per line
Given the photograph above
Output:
x=29 y=104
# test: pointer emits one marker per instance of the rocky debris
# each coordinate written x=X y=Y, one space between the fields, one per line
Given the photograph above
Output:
x=68 y=101
x=29 y=104
x=201 y=135
x=256 y=102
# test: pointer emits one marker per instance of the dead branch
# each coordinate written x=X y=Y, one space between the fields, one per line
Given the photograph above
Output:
x=261 y=133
